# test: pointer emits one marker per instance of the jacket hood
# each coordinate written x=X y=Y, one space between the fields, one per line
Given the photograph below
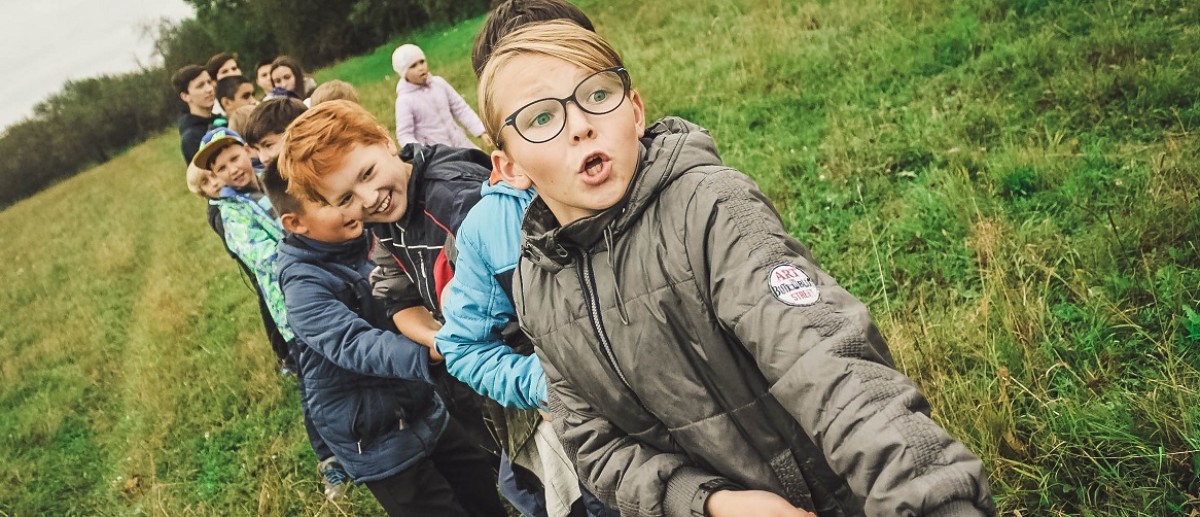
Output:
x=501 y=188
x=671 y=147
x=437 y=162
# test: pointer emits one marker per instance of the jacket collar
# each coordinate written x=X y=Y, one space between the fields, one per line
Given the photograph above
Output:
x=348 y=252
x=671 y=147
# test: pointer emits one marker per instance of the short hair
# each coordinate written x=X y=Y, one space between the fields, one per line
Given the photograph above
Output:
x=283 y=201
x=297 y=73
x=184 y=76
x=264 y=62
x=555 y=39
x=194 y=175
x=270 y=117
x=317 y=142
x=334 y=90
x=214 y=63
x=511 y=15
x=239 y=117
x=227 y=88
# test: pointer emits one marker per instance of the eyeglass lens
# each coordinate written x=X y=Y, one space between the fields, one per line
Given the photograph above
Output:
x=598 y=94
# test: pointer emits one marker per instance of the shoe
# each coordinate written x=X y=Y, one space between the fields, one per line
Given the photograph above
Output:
x=287 y=367
x=335 y=479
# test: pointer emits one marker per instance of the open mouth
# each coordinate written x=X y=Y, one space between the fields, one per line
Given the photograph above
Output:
x=596 y=168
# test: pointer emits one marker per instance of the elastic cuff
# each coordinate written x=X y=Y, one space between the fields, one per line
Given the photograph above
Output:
x=960 y=508
x=682 y=488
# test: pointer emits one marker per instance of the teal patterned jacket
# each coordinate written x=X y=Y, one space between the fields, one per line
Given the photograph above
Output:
x=253 y=233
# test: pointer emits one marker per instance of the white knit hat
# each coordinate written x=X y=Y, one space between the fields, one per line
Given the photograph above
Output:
x=404 y=56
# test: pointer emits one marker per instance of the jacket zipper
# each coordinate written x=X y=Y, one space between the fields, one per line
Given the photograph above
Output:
x=587 y=280
x=421 y=288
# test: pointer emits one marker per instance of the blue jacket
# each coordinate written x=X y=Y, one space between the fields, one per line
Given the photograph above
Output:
x=479 y=304
x=368 y=390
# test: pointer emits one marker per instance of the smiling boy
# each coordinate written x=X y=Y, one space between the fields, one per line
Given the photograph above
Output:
x=700 y=362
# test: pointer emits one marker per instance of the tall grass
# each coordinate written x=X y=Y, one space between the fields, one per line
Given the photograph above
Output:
x=1010 y=185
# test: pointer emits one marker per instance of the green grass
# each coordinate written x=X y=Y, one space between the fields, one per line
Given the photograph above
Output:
x=1010 y=185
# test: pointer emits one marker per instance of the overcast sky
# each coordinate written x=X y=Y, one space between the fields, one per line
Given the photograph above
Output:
x=45 y=42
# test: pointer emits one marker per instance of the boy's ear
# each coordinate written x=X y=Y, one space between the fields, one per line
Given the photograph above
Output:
x=509 y=171
x=183 y=96
x=639 y=112
x=391 y=146
x=292 y=223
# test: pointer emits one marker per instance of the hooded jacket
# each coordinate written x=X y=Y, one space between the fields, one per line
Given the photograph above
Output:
x=479 y=306
x=688 y=338
x=426 y=114
x=368 y=388
x=442 y=188
x=252 y=235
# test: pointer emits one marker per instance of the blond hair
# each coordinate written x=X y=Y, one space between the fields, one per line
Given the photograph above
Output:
x=239 y=117
x=332 y=91
x=194 y=176
x=318 y=140
x=560 y=40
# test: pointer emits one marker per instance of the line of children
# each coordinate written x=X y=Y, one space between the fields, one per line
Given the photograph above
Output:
x=252 y=234
x=370 y=389
x=702 y=364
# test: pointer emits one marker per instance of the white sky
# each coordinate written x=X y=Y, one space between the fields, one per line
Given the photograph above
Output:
x=45 y=42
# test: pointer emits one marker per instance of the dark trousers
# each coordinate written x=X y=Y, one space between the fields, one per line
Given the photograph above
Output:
x=455 y=480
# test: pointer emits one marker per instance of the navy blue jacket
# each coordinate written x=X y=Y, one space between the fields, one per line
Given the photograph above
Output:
x=367 y=389
x=442 y=188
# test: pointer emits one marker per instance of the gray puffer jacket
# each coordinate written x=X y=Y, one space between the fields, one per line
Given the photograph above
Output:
x=687 y=338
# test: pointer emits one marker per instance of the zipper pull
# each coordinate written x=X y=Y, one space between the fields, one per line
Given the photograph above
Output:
x=360 y=446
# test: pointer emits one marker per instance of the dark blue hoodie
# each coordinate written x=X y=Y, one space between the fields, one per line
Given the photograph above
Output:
x=367 y=389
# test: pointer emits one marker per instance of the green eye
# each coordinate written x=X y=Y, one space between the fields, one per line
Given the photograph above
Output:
x=598 y=96
x=541 y=119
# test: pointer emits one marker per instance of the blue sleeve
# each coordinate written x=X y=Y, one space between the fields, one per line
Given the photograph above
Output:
x=331 y=329
x=476 y=309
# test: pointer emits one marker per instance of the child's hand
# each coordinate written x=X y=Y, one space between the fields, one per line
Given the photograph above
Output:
x=434 y=355
x=487 y=140
x=751 y=502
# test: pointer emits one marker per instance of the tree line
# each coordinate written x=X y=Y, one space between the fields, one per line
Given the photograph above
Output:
x=89 y=120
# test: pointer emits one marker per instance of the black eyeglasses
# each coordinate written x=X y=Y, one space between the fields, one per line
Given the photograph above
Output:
x=599 y=93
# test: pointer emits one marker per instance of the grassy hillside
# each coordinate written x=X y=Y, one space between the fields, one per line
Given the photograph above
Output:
x=1010 y=185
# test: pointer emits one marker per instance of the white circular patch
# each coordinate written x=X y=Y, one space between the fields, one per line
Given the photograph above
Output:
x=792 y=286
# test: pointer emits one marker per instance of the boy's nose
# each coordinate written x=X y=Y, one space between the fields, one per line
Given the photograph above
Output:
x=579 y=124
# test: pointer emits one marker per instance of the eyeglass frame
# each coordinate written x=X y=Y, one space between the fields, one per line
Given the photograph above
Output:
x=511 y=120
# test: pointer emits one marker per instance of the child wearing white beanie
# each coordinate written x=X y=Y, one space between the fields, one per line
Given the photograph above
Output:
x=428 y=109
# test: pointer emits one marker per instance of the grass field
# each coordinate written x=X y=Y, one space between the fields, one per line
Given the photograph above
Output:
x=1010 y=185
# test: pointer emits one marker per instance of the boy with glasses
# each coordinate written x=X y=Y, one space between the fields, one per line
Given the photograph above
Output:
x=699 y=362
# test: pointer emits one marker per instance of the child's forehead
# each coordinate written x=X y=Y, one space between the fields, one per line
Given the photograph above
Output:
x=236 y=146
x=554 y=75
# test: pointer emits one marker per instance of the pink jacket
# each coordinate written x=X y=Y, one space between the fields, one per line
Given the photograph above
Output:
x=426 y=114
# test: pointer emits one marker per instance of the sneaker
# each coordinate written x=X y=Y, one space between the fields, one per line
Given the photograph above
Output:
x=287 y=367
x=335 y=479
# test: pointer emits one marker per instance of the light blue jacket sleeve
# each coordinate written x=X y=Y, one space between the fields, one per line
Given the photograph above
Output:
x=477 y=308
